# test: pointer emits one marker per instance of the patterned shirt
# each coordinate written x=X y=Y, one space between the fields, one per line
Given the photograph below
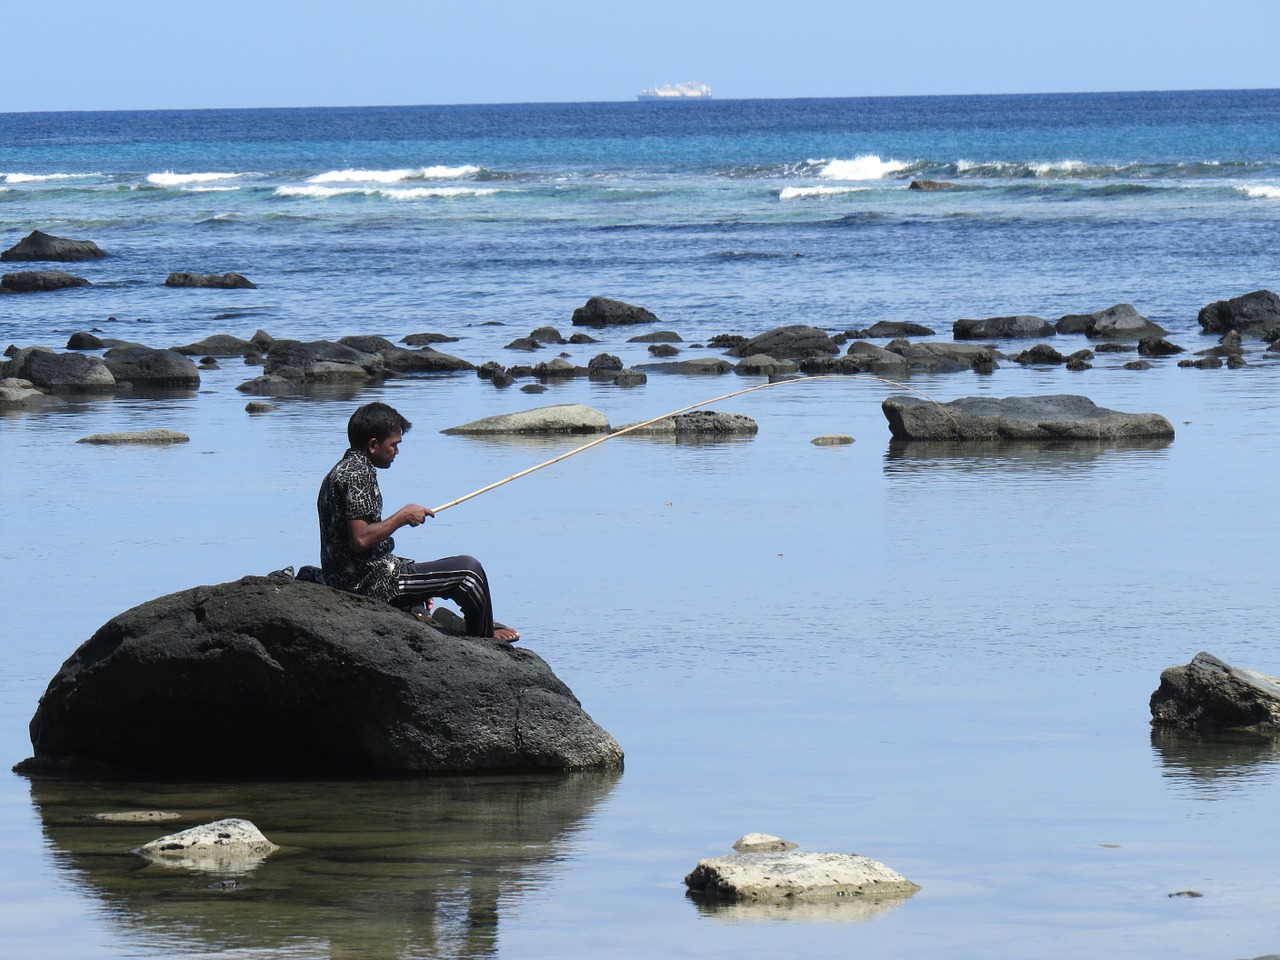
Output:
x=350 y=492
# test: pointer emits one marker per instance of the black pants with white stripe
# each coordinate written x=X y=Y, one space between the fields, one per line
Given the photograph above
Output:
x=460 y=579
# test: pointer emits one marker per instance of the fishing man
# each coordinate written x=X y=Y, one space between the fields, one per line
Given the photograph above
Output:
x=356 y=543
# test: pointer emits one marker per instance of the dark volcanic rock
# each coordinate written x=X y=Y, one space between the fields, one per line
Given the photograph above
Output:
x=220 y=281
x=321 y=361
x=931 y=185
x=150 y=367
x=38 y=245
x=794 y=342
x=1207 y=694
x=1059 y=417
x=59 y=372
x=890 y=329
x=1257 y=312
x=220 y=345
x=1041 y=353
x=658 y=336
x=427 y=339
x=400 y=360
x=269 y=677
x=1020 y=327
x=40 y=281
x=1119 y=322
x=1157 y=347
x=604 y=312
x=703 y=424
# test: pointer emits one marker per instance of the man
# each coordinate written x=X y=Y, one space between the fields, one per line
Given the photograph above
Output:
x=356 y=542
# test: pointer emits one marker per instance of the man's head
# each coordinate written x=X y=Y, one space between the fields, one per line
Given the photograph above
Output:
x=375 y=429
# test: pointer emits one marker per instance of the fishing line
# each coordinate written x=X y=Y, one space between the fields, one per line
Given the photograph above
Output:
x=693 y=406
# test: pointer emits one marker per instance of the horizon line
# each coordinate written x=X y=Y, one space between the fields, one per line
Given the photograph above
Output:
x=635 y=100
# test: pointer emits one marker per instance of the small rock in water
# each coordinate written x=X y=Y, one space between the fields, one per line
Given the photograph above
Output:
x=832 y=440
x=1187 y=893
x=797 y=875
x=156 y=436
x=762 y=843
x=230 y=845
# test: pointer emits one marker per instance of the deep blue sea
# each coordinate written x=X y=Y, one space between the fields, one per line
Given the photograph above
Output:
x=939 y=658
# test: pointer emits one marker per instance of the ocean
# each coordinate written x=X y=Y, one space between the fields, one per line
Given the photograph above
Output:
x=939 y=658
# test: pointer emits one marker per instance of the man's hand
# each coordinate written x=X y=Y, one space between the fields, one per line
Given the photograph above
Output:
x=365 y=535
x=415 y=514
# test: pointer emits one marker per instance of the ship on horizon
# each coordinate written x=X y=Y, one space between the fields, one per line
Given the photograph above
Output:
x=677 y=91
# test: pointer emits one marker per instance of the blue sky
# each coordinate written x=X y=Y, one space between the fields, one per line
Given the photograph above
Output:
x=141 y=54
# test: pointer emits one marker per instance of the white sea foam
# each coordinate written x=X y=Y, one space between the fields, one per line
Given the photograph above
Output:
x=1261 y=191
x=803 y=193
x=390 y=193
x=395 y=176
x=171 y=179
x=210 y=189
x=866 y=166
x=43 y=177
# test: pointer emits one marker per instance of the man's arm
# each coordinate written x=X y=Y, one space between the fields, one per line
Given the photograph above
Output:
x=365 y=535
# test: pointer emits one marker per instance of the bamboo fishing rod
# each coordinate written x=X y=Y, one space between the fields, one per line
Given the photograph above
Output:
x=693 y=406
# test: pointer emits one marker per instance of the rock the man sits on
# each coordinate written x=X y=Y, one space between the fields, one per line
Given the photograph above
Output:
x=356 y=544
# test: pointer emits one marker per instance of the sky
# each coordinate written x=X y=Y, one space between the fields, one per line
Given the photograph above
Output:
x=144 y=54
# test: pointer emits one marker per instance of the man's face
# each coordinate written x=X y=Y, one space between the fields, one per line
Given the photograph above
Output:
x=382 y=452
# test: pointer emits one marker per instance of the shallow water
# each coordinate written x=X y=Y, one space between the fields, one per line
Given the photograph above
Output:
x=938 y=658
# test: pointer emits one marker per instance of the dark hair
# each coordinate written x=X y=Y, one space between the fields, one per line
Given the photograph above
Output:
x=374 y=421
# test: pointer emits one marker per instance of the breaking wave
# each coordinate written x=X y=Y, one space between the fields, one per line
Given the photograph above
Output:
x=804 y=193
x=1261 y=191
x=15 y=178
x=389 y=193
x=396 y=176
x=864 y=167
x=171 y=179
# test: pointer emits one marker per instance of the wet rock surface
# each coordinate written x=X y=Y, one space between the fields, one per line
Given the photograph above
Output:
x=273 y=677
x=1055 y=417
x=1209 y=694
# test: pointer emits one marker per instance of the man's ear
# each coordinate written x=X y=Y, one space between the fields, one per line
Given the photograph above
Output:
x=370 y=445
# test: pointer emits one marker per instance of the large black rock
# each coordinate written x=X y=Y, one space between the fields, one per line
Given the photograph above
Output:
x=1257 y=312
x=1055 y=417
x=277 y=677
x=38 y=245
x=1208 y=694
x=605 y=312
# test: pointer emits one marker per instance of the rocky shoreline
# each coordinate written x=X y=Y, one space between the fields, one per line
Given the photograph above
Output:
x=1247 y=328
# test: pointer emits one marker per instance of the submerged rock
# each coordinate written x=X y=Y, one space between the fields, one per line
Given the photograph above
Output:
x=270 y=677
x=156 y=437
x=1208 y=694
x=220 y=345
x=220 y=281
x=1056 y=417
x=38 y=245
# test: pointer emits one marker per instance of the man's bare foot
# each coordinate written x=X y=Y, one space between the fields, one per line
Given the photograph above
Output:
x=505 y=633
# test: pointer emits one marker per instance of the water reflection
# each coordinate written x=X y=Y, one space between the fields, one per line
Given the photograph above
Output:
x=1213 y=763
x=392 y=869
x=834 y=910
x=1056 y=458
